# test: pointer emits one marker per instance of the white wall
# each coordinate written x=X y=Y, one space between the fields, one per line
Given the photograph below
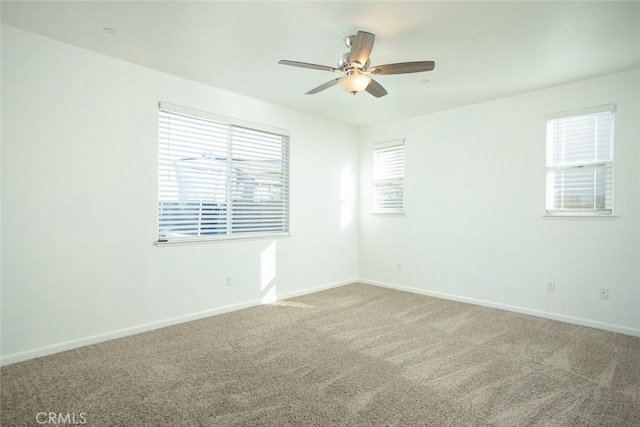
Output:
x=79 y=165
x=475 y=196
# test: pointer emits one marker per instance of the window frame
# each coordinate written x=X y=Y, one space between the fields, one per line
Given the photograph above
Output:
x=379 y=183
x=607 y=212
x=230 y=123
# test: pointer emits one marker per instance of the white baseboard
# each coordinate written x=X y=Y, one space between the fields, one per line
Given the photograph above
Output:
x=98 y=338
x=523 y=310
x=317 y=289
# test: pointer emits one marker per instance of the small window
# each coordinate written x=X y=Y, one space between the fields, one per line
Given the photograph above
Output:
x=218 y=179
x=580 y=162
x=388 y=177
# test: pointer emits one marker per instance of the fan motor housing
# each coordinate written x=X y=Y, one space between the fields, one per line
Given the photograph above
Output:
x=344 y=64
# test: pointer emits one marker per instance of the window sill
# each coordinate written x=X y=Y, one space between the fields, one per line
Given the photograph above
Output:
x=228 y=239
x=578 y=217
x=388 y=213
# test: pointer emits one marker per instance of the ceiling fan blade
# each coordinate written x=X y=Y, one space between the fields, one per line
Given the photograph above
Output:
x=361 y=47
x=376 y=89
x=307 y=65
x=322 y=87
x=403 y=67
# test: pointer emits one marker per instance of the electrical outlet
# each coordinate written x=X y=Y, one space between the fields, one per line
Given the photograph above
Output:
x=551 y=285
x=229 y=283
x=604 y=293
x=398 y=266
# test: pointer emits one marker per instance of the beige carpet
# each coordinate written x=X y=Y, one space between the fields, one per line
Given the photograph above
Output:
x=354 y=355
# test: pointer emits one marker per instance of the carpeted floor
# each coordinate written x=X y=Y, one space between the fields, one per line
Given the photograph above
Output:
x=355 y=355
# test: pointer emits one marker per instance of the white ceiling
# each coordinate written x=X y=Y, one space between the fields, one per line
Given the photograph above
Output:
x=483 y=50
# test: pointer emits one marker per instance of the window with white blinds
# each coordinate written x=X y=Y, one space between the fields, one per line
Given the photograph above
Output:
x=388 y=177
x=580 y=162
x=218 y=179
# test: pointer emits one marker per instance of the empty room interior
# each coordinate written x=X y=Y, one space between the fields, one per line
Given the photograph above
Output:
x=320 y=213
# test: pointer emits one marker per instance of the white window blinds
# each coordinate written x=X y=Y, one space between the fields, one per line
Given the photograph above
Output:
x=218 y=179
x=388 y=179
x=580 y=162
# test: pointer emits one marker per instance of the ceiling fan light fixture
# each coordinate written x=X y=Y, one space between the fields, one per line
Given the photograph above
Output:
x=354 y=83
x=355 y=65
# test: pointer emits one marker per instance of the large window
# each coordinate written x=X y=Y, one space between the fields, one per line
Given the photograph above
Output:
x=580 y=162
x=388 y=177
x=219 y=179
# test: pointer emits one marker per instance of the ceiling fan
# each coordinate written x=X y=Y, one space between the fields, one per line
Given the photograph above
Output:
x=356 y=69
